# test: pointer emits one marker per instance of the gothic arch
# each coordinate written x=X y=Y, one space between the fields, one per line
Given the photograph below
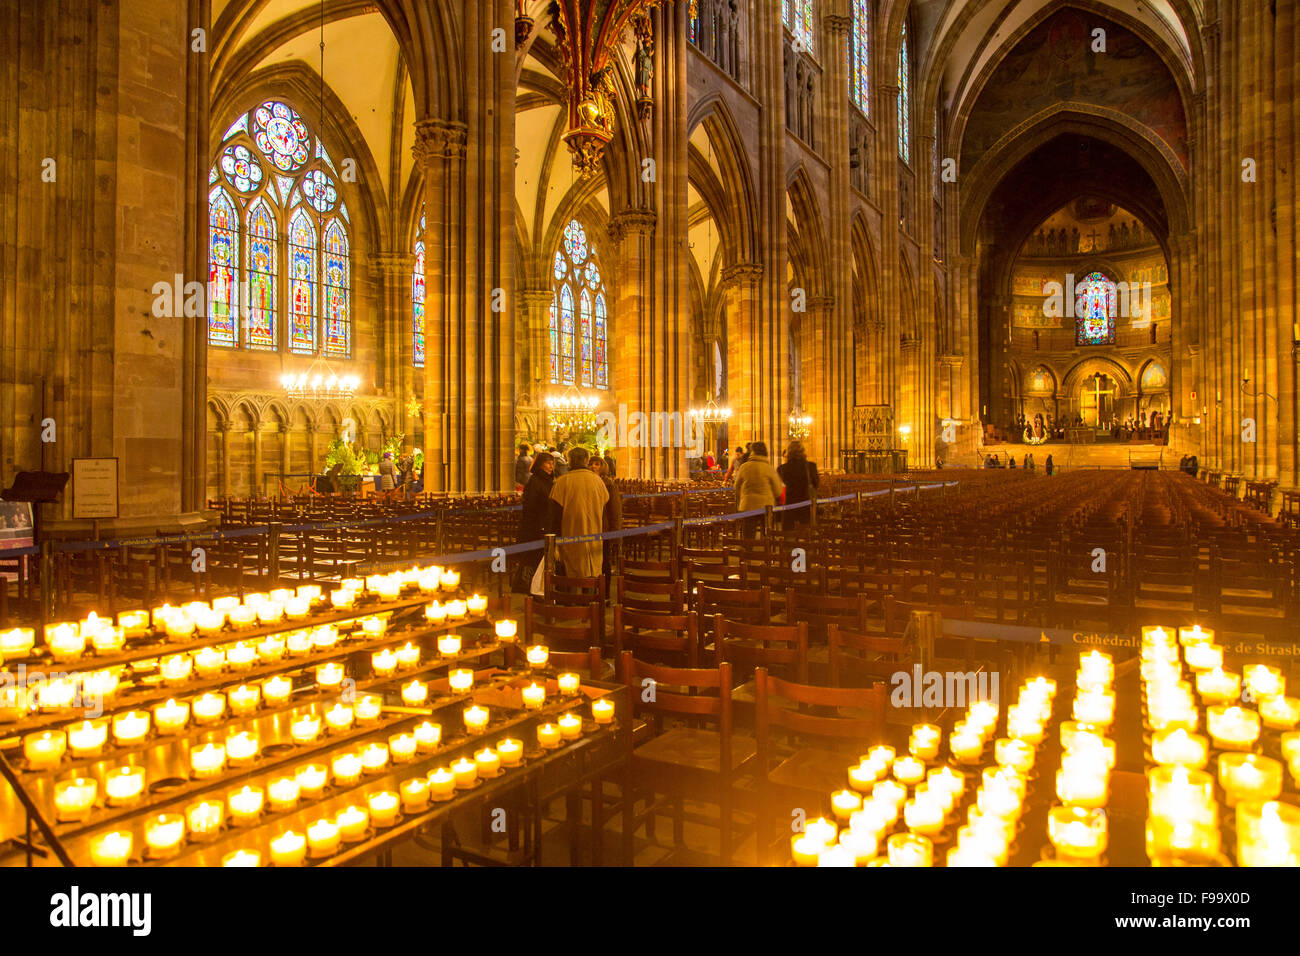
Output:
x=736 y=178
x=810 y=241
x=1108 y=126
x=1091 y=365
x=293 y=84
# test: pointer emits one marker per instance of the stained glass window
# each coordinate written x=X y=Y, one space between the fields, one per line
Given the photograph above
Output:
x=904 y=100
x=302 y=284
x=281 y=134
x=338 y=337
x=578 y=320
x=553 y=323
x=584 y=312
x=1094 y=310
x=566 y=334
x=798 y=16
x=859 y=57
x=223 y=254
x=602 y=360
x=693 y=22
x=276 y=190
x=241 y=168
x=259 y=331
x=417 y=297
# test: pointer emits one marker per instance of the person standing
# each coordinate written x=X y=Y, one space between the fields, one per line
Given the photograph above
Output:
x=1048 y=466
x=536 y=519
x=737 y=460
x=561 y=460
x=523 y=468
x=613 y=517
x=800 y=478
x=611 y=472
x=387 y=473
x=582 y=497
x=757 y=486
x=725 y=464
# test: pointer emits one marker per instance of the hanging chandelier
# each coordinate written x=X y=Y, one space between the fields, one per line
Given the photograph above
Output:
x=800 y=425
x=572 y=411
x=711 y=413
x=319 y=384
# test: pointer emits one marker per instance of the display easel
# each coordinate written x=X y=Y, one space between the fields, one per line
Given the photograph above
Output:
x=39 y=488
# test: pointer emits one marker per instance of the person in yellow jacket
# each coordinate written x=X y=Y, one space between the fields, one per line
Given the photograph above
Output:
x=582 y=497
x=757 y=485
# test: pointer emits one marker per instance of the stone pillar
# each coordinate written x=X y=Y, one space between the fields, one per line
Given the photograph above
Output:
x=392 y=275
x=815 y=381
x=770 y=323
x=631 y=329
x=533 y=361
x=224 y=429
x=742 y=288
x=102 y=203
x=469 y=267
x=837 y=343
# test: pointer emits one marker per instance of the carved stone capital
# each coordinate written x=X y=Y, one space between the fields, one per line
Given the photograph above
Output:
x=840 y=26
x=742 y=272
x=535 y=299
x=438 y=139
x=392 y=264
x=632 y=222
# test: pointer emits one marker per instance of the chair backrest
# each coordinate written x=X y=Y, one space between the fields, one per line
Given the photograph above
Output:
x=562 y=624
x=652 y=634
x=752 y=605
x=651 y=571
x=563 y=589
x=858 y=660
x=897 y=614
x=820 y=611
x=801 y=720
x=657 y=690
x=577 y=661
x=667 y=597
x=749 y=646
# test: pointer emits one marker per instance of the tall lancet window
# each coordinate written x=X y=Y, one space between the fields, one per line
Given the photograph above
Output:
x=860 y=57
x=578 y=320
x=278 y=246
x=904 y=101
x=417 y=298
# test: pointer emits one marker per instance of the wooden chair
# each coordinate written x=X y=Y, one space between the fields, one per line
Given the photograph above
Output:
x=773 y=646
x=655 y=572
x=562 y=626
x=666 y=597
x=859 y=659
x=820 y=611
x=685 y=761
x=653 y=636
x=806 y=777
x=577 y=592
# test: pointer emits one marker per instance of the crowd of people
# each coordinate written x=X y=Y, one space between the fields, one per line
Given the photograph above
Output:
x=992 y=461
x=570 y=492
x=1145 y=426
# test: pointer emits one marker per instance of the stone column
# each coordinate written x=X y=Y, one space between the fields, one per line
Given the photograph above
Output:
x=838 y=339
x=816 y=396
x=631 y=328
x=742 y=287
x=224 y=429
x=766 y=344
x=392 y=273
x=533 y=361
